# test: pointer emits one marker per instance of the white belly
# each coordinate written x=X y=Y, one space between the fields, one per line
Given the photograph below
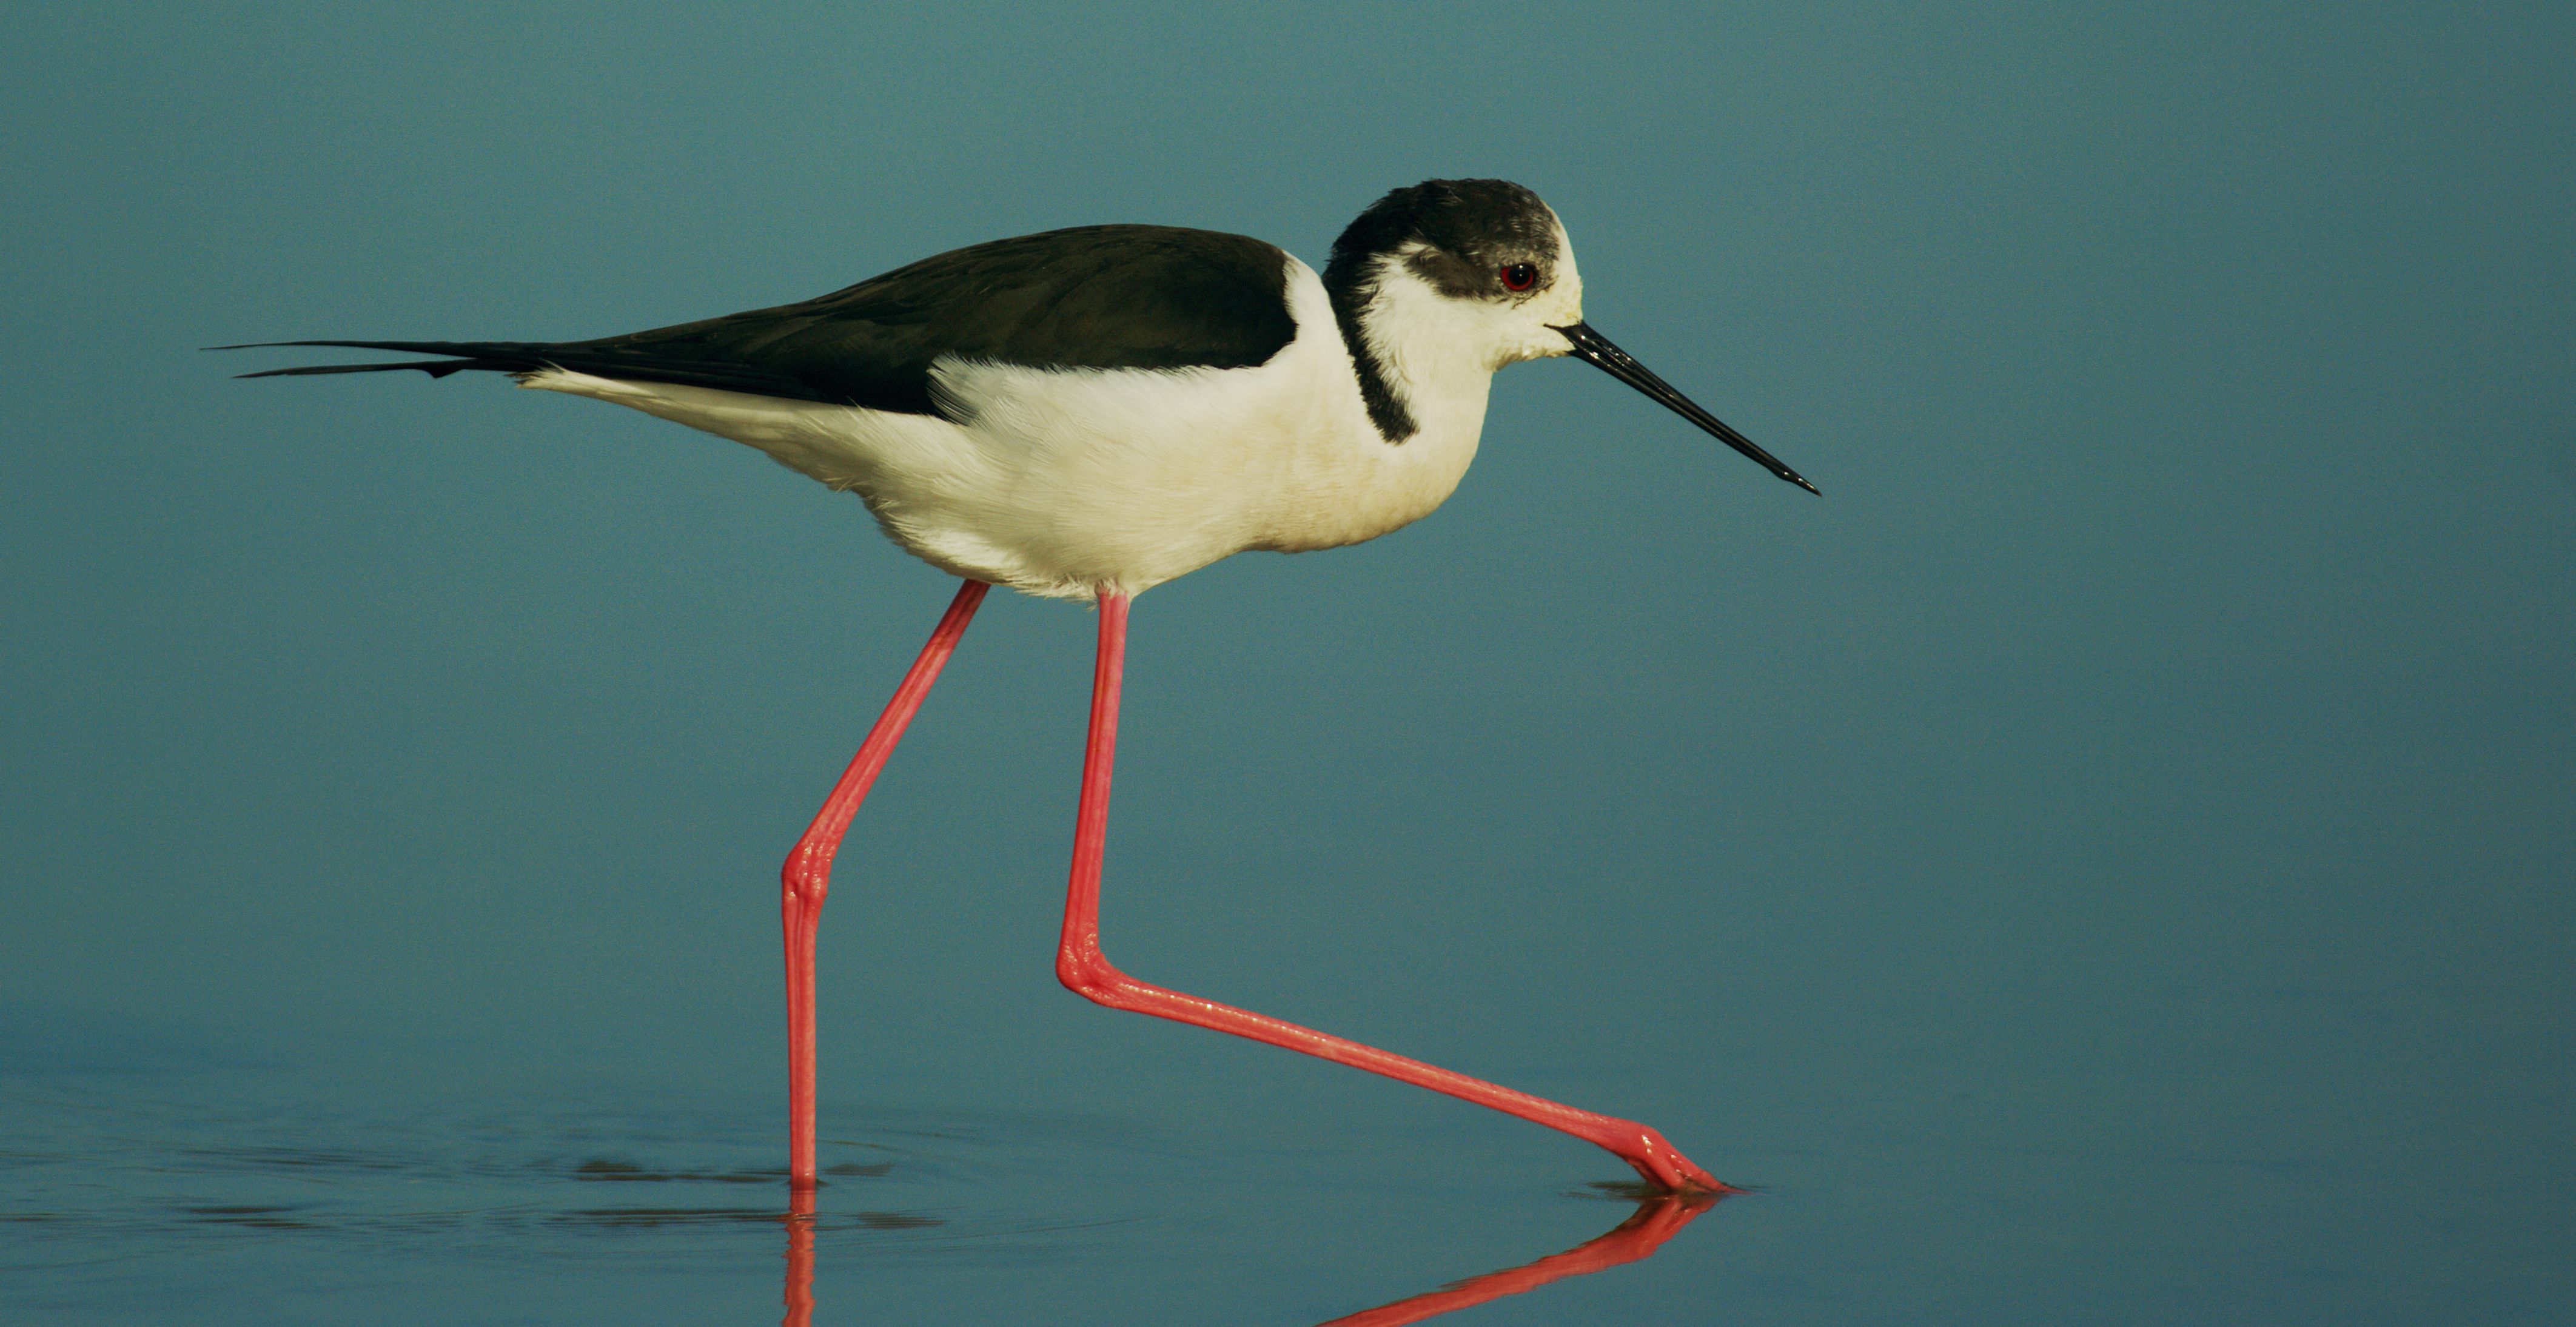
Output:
x=1060 y=483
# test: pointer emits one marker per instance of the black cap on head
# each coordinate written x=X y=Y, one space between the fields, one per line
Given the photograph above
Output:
x=1473 y=229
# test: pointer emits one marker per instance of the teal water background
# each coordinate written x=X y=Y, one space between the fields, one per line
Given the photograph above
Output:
x=2107 y=860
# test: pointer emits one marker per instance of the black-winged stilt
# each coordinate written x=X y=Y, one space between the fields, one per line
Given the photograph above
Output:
x=1085 y=414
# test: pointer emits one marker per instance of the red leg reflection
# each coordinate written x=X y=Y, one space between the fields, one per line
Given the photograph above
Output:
x=1655 y=1220
x=800 y=1258
x=1081 y=966
x=807 y=877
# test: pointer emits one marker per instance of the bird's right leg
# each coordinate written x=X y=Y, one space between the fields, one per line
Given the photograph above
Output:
x=1082 y=967
x=807 y=877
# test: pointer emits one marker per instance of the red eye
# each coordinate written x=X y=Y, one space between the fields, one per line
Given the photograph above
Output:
x=1519 y=276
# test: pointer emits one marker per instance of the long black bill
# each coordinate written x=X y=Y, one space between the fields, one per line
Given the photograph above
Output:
x=1596 y=350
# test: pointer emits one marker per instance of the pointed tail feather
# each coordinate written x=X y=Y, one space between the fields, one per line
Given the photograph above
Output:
x=436 y=368
x=634 y=363
x=495 y=356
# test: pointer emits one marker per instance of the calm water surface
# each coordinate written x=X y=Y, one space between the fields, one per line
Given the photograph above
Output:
x=255 y=1189
x=188 y=1198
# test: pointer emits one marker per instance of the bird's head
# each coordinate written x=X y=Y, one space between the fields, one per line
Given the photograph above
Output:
x=1482 y=265
x=1479 y=271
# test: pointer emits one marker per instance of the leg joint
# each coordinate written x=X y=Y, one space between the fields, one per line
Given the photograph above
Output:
x=807 y=874
x=1088 y=973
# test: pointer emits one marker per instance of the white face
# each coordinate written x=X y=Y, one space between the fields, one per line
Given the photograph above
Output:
x=1556 y=300
x=1492 y=308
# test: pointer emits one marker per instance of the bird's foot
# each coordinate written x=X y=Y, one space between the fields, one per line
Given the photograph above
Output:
x=1662 y=1165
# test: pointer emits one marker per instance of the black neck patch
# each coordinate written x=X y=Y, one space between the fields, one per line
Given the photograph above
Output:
x=1470 y=230
x=1350 y=294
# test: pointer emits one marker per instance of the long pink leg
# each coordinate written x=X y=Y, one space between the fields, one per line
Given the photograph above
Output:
x=1081 y=966
x=807 y=877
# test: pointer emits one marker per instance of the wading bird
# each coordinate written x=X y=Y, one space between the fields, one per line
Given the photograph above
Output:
x=1085 y=414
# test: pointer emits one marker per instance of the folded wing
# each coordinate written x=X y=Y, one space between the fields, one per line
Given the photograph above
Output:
x=1096 y=297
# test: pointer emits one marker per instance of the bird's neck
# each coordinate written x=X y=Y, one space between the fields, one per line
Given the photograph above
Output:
x=1413 y=352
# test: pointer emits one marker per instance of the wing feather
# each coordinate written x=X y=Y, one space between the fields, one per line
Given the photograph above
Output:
x=1103 y=297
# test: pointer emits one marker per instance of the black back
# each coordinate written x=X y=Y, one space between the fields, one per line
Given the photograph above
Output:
x=1095 y=297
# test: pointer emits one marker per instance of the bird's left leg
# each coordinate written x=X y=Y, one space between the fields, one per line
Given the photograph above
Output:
x=807 y=877
x=1081 y=966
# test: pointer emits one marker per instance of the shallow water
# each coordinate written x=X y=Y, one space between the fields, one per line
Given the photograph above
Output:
x=210 y=1187
x=185 y=1198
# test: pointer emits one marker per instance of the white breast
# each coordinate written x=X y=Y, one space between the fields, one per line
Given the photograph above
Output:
x=1063 y=481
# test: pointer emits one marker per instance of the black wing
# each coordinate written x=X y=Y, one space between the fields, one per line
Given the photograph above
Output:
x=1097 y=297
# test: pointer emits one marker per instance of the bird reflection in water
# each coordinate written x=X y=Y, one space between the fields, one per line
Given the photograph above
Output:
x=800 y=1257
x=1659 y=1217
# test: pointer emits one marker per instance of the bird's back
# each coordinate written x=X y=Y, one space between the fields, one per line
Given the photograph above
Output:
x=1092 y=297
